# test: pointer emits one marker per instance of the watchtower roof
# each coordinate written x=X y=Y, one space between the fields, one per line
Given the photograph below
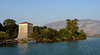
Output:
x=25 y=23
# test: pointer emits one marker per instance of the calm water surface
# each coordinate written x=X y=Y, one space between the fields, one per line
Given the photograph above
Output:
x=90 y=46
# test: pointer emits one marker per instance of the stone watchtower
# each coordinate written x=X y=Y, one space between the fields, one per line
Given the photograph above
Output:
x=25 y=29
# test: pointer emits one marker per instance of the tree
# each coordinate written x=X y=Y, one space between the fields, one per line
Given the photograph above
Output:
x=53 y=34
x=44 y=27
x=72 y=28
x=75 y=27
x=44 y=32
x=9 y=22
x=69 y=27
x=62 y=33
x=37 y=29
x=1 y=27
x=82 y=34
x=3 y=35
x=11 y=27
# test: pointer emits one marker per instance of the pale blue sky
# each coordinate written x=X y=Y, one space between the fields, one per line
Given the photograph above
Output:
x=40 y=12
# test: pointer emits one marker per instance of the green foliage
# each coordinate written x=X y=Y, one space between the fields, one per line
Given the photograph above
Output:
x=53 y=34
x=9 y=22
x=10 y=27
x=82 y=34
x=62 y=33
x=44 y=33
x=72 y=27
x=38 y=29
x=71 y=32
x=48 y=34
x=1 y=27
x=3 y=35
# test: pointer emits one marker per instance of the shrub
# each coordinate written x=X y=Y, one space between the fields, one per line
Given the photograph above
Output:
x=3 y=35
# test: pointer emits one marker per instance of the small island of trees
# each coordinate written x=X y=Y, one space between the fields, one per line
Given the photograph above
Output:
x=9 y=30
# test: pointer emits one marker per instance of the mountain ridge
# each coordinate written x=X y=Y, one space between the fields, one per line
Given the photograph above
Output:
x=91 y=27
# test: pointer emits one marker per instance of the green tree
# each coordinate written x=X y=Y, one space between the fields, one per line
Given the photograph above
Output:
x=11 y=27
x=1 y=27
x=82 y=34
x=3 y=35
x=44 y=27
x=62 y=34
x=53 y=34
x=37 y=29
x=72 y=28
x=75 y=27
x=9 y=22
x=44 y=32
x=69 y=27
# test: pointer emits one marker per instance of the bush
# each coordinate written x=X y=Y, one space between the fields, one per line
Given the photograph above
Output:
x=3 y=35
x=82 y=35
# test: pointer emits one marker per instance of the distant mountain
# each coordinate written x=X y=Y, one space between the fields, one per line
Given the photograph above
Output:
x=91 y=27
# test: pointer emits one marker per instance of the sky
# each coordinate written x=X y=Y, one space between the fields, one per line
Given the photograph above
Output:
x=41 y=12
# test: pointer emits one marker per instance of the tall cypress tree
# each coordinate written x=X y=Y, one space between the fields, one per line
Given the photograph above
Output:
x=72 y=28
x=69 y=29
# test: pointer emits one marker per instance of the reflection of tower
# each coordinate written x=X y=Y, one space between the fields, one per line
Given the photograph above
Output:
x=25 y=29
x=23 y=49
x=25 y=45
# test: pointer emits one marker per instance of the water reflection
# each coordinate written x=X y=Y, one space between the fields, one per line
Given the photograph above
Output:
x=24 y=45
x=8 y=45
x=73 y=48
x=90 y=38
x=80 y=47
x=23 y=49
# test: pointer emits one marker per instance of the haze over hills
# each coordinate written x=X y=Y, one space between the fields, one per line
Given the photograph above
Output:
x=91 y=27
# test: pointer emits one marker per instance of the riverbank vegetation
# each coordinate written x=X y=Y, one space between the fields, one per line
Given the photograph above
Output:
x=71 y=32
x=9 y=30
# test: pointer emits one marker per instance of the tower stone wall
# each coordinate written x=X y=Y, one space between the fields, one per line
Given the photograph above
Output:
x=25 y=29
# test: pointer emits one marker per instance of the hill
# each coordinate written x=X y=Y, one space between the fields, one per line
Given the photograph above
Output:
x=91 y=27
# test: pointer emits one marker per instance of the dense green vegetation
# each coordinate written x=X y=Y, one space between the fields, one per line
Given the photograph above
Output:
x=10 y=27
x=9 y=30
x=71 y=32
x=44 y=34
x=3 y=35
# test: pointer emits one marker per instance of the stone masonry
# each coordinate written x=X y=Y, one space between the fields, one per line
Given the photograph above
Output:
x=25 y=29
